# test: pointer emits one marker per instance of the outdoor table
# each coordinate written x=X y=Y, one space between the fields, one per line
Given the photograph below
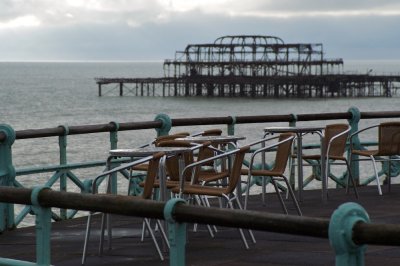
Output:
x=214 y=139
x=299 y=131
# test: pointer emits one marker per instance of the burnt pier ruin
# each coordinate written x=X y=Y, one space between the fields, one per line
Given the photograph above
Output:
x=254 y=66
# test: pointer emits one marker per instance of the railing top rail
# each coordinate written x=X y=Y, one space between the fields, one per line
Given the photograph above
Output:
x=98 y=128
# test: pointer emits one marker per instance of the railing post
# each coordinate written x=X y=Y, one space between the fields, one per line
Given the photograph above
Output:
x=166 y=124
x=176 y=234
x=113 y=145
x=62 y=143
x=43 y=228
x=231 y=126
x=341 y=226
x=292 y=178
x=353 y=122
x=293 y=120
x=7 y=175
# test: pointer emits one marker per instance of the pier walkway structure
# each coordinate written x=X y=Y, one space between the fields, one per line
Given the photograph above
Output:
x=254 y=66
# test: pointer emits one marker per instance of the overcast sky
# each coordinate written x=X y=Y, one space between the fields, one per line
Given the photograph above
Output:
x=155 y=29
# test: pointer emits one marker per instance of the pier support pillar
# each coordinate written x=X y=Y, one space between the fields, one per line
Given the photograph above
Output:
x=99 y=89
x=7 y=175
x=341 y=226
x=121 y=89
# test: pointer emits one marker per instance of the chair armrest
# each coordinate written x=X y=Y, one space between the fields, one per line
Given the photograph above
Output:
x=125 y=166
x=333 y=139
x=264 y=149
x=358 y=132
x=261 y=141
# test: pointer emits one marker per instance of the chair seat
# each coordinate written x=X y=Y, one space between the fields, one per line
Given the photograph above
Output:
x=201 y=190
x=211 y=176
x=365 y=152
x=261 y=172
x=141 y=167
x=168 y=183
x=317 y=157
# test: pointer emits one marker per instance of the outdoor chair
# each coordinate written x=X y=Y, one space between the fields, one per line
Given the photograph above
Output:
x=226 y=192
x=333 y=149
x=153 y=163
x=388 y=148
x=283 y=148
x=172 y=163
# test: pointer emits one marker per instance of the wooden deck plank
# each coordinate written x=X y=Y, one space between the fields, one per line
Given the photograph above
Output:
x=225 y=249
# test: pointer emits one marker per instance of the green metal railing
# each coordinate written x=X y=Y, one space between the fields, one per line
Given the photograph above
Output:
x=348 y=230
x=162 y=124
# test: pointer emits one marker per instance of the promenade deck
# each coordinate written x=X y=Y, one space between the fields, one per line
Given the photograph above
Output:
x=226 y=248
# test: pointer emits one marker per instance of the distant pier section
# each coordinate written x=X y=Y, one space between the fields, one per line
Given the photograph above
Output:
x=253 y=66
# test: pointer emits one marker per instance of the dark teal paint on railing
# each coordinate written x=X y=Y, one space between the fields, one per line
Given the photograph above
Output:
x=7 y=176
x=341 y=226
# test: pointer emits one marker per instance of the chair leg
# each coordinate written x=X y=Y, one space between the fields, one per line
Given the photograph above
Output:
x=247 y=190
x=279 y=196
x=163 y=234
x=200 y=202
x=350 y=177
x=240 y=229
x=147 y=222
x=389 y=178
x=102 y=228
x=253 y=239
x=207 y=203
x=376 y=175
x=143 y=231
x=263 y=190
x=87 y=235
x=295 y=202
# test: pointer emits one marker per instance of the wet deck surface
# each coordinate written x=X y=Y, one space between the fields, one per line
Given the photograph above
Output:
x=225 y=249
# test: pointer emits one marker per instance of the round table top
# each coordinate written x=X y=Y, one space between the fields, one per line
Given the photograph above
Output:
x=300 y=129
x=147 y=151
x=213 y=139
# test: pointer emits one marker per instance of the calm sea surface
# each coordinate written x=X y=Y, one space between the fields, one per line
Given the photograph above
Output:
x=43 y=95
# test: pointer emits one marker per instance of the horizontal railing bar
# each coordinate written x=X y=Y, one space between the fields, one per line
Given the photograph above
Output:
x=86 y=129
x=386 y=114
x=363 y=233
x=376 y=234
x=257 y=220
x=51 y=168
x=201 y=121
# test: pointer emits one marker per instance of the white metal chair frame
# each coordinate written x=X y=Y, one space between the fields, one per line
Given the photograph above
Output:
x=374 y=158
x=230 y=198
x=263 y=150
x=146 y=221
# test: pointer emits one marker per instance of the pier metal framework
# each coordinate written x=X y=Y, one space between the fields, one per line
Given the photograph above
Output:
x=256 y=66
